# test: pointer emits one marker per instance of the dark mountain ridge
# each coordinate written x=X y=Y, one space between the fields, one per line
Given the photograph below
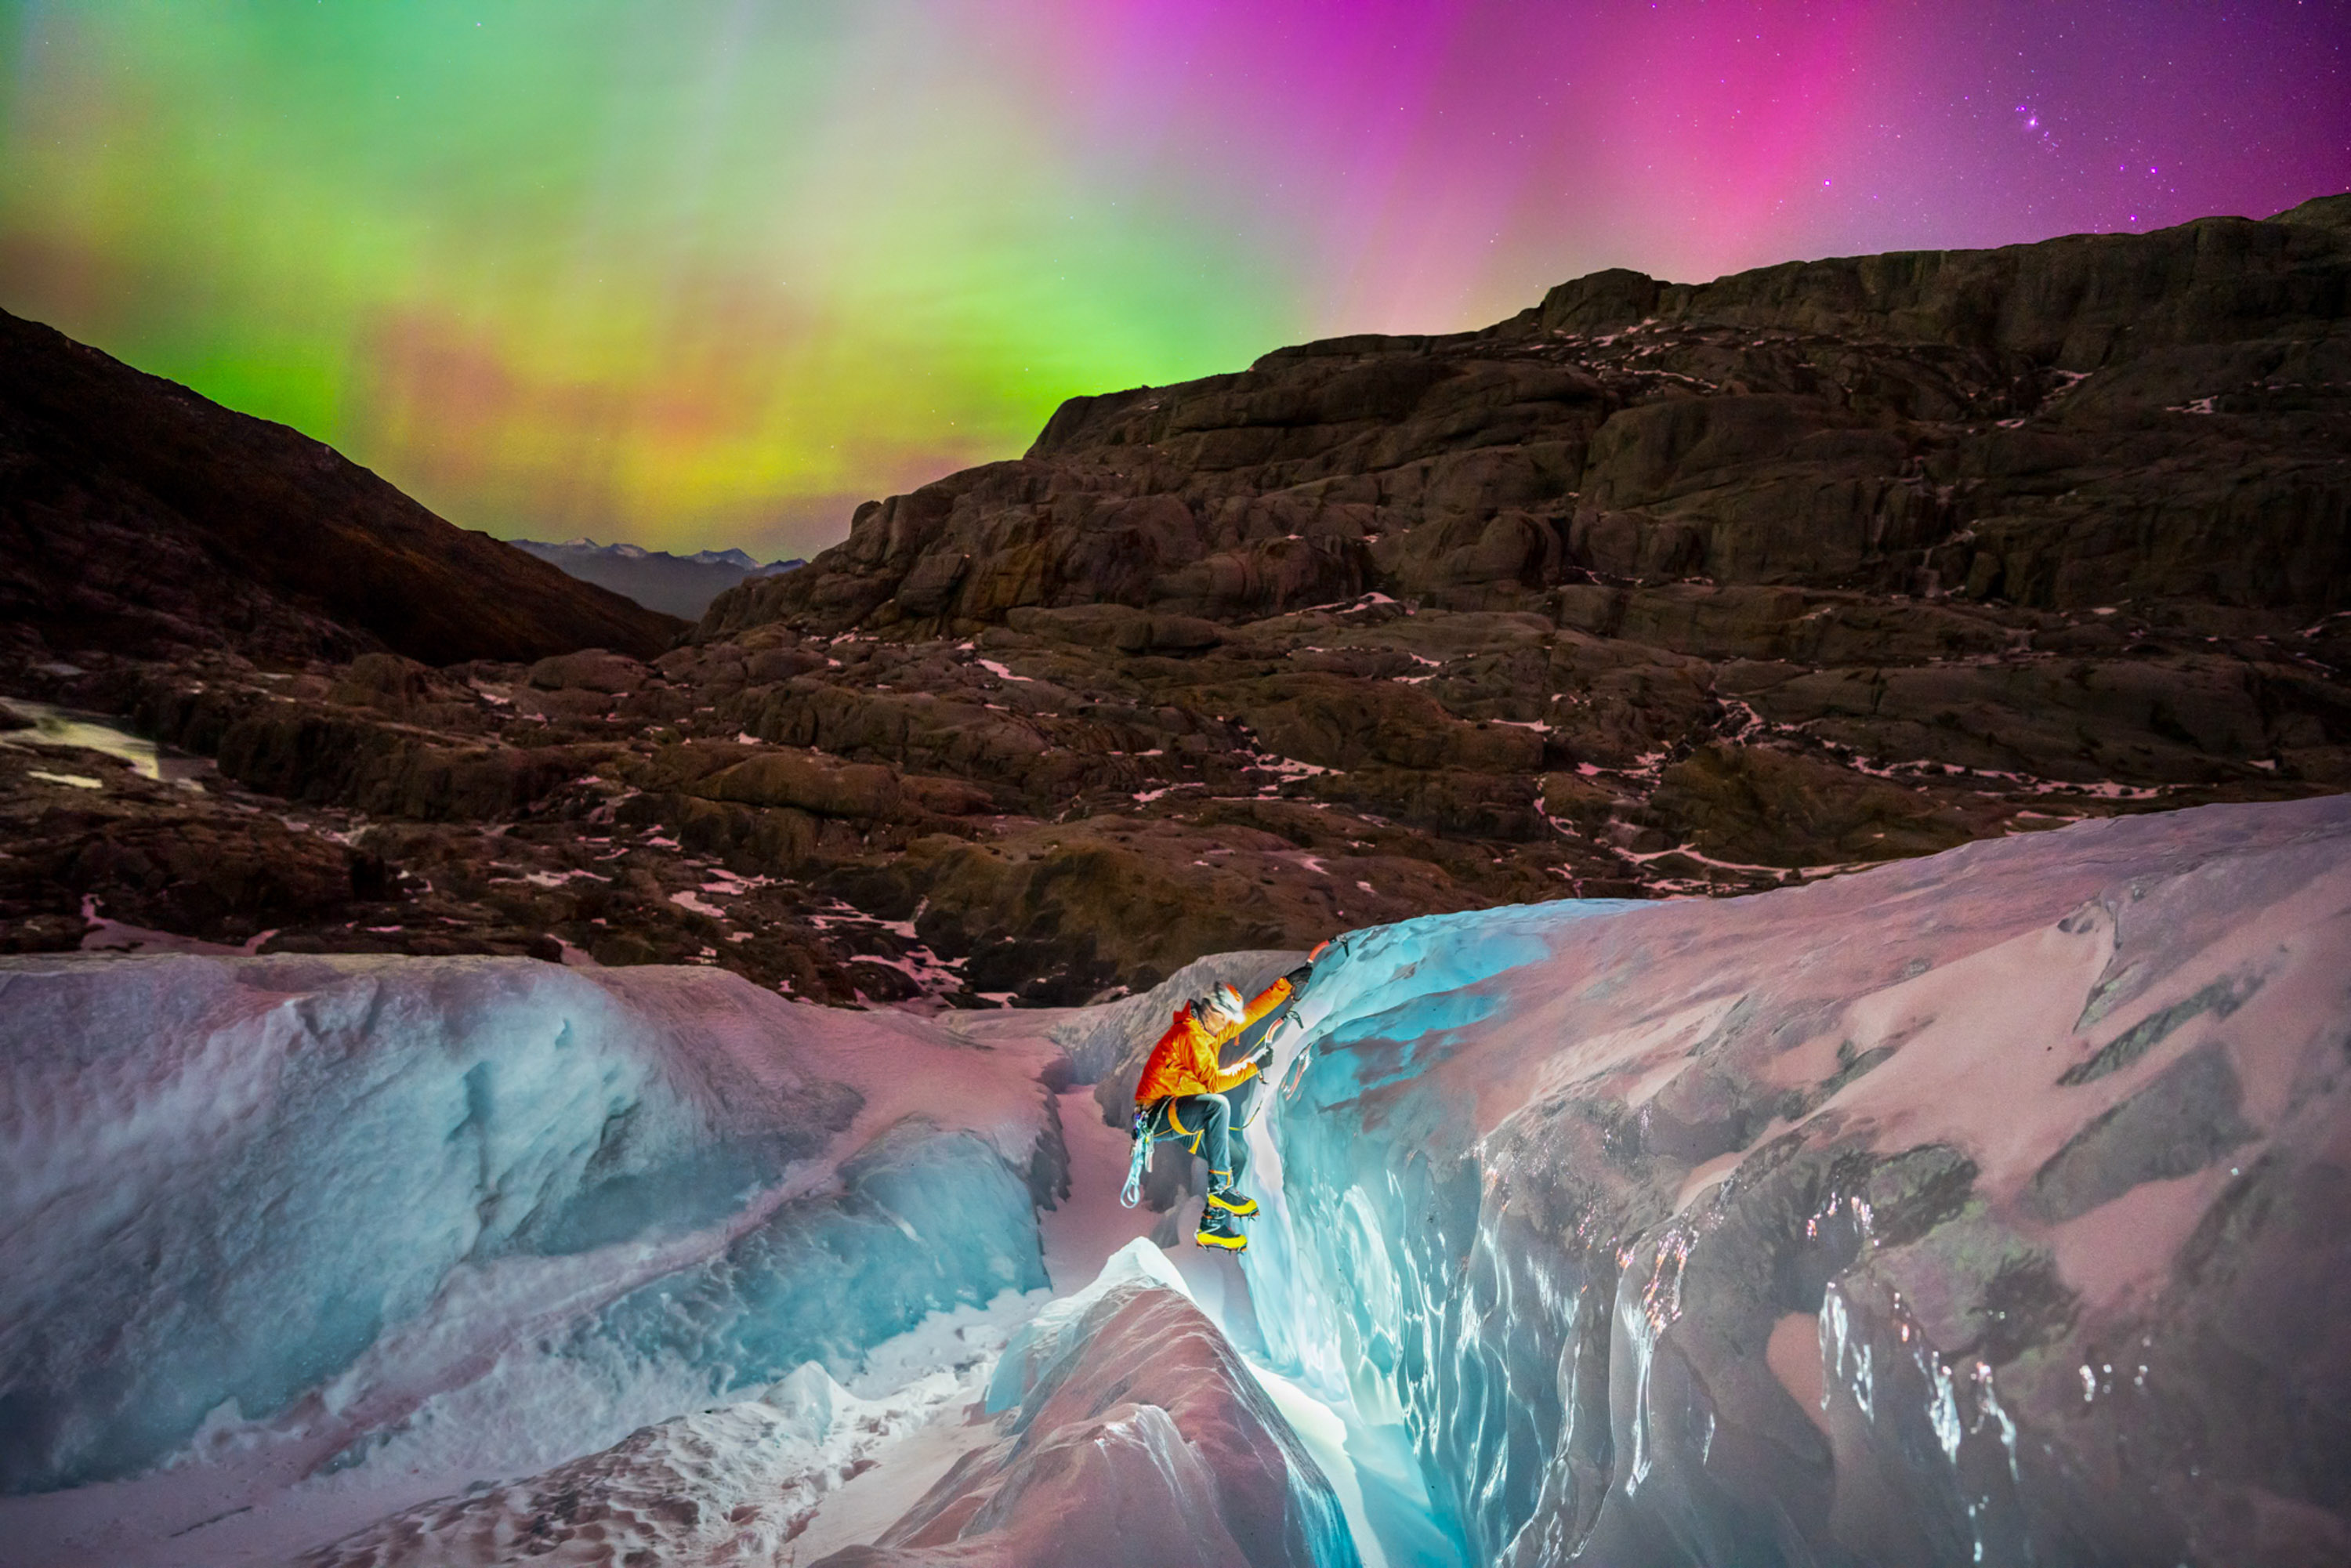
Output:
x=138 y=517
x=1653 y=589
x=1894 y=424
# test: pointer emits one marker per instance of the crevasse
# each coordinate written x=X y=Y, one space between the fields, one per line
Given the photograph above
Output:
x=1374 y=1280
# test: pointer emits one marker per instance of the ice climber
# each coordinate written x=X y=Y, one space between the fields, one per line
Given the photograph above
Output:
x=1187 y=1094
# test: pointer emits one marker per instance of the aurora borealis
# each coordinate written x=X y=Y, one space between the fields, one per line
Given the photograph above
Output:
x=708 y=274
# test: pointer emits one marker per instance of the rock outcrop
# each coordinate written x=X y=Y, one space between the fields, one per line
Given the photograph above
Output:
x=1652 y=589
x=2056 y=426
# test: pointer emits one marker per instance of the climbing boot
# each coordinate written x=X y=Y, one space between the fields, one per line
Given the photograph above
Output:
x=1233 y=1201
x=1219 y=1228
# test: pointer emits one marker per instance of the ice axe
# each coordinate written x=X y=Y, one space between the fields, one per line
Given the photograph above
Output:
x=1297 y=1074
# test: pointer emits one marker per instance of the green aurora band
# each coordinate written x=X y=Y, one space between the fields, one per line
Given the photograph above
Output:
x=686 y=274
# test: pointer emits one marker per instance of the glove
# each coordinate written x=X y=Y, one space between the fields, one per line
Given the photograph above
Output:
x=1297 y=978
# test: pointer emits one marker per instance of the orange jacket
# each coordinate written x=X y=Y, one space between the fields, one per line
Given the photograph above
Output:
x=1185 y=1059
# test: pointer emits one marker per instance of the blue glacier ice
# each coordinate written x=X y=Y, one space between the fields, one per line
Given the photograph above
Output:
x=1993 y=1207
x=276 y=1213
x=921 y=1220
x=1361 y=1311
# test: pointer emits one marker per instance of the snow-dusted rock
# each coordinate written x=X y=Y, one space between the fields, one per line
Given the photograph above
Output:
x=1992 y=1208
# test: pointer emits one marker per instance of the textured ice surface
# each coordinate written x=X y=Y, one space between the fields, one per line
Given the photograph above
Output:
x=730 y=1485
x=1104 y=1435
x=389 y=1222
x=1133 y=1436
x=1991 y=1208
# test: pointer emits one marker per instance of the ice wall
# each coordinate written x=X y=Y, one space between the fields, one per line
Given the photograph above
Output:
x=271 y=1214
x=1992 y=1208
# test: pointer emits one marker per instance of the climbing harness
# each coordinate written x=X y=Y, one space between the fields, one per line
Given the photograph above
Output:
x=1146 y=1129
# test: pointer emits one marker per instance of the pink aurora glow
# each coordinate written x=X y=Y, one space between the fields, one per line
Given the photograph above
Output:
x=1433 y=164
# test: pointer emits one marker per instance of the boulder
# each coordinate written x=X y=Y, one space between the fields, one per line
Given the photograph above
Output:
x=810 y=782
x=590 y=669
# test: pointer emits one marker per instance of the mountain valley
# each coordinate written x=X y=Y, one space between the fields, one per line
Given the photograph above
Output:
x=1653 y=590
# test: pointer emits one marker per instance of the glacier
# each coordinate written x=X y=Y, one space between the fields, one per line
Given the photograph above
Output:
x=1134 y=1437
x=269 y=1219
x=1983 y=1209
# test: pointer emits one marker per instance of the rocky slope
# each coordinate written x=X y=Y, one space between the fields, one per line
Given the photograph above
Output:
x=1650 y=589
x=135 y=516
x=2146 y=418
x=1658 y=586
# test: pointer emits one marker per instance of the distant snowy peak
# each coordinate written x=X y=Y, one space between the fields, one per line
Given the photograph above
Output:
x=678 y=584
x=750 y=564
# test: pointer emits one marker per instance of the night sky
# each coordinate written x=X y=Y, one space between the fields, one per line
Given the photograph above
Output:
x=708 y=274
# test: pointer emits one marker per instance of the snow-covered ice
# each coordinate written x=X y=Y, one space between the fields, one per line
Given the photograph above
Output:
x=734 y=1484
x=1135 y=1435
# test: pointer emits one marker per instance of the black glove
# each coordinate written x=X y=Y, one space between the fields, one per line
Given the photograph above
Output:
x=1298 y=977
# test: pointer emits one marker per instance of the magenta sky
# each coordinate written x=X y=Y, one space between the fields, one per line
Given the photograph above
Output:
x=1437 y=164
